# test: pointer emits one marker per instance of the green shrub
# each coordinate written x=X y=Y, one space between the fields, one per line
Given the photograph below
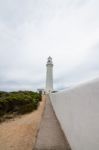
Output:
x=26 y=109
x=19 y=102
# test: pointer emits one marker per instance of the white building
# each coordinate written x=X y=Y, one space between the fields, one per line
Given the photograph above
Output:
x=42 y=91
x=49 y=75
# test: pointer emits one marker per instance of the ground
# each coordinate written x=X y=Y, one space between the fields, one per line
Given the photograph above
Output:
x=20 y=133
x=50 y=135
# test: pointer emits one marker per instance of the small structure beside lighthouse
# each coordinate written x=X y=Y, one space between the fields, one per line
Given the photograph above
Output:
x=49 y=75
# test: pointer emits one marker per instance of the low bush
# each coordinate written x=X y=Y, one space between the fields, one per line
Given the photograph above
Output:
x=20 y=102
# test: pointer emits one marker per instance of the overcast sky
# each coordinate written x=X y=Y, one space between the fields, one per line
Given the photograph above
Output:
x=32 y=30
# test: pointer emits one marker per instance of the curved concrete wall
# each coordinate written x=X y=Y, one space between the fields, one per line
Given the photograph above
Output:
x=78 y=113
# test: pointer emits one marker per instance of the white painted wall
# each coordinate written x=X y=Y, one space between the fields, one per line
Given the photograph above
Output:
x=78 y=112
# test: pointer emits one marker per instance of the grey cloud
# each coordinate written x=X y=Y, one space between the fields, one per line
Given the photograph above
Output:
x=32 y=30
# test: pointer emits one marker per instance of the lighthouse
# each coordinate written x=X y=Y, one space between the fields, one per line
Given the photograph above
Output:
x=49 y=75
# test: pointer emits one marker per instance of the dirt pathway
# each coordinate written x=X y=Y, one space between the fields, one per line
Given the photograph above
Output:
x=20 y=133
x=50 y=135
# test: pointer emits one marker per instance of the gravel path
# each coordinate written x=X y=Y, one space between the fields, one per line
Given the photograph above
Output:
x=50 y=135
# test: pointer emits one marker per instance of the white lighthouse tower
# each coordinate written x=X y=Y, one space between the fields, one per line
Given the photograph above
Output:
x=49 y=75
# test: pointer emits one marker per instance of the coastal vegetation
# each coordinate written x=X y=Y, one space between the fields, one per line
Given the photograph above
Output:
x=16 y=103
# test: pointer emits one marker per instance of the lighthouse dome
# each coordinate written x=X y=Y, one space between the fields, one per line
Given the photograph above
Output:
x=49 y=60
